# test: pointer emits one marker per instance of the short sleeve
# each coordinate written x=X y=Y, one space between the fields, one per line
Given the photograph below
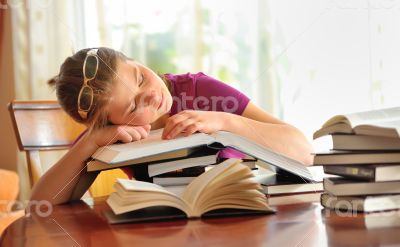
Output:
x=214 y=95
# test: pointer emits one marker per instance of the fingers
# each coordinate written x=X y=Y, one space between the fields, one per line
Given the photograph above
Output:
x=123 y=133
x=147 y=127
x=196 y=126
x=119 y=133
x=173 y=123
x=187 y=126
x=126 y=133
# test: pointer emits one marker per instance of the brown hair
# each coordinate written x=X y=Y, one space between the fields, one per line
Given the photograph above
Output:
x=69 y=82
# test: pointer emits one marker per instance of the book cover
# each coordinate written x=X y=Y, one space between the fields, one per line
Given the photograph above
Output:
x=361 y=203
x=339 y=186
x=377 y=172
x=339 y=157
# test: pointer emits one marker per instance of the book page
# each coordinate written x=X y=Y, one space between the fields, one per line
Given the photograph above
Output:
x=131 y=195
x=366 y=117
x=134 y=185
x=264 y=154
x=151 y=145
x=196 y=187
x=379 y=128
x=120 y=209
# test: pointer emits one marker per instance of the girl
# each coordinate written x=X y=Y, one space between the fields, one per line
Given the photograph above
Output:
x=121 y=100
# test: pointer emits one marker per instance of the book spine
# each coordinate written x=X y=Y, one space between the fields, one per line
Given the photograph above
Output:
x=364 y=173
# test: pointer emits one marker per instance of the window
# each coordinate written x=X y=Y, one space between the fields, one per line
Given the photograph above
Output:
x=303 y=61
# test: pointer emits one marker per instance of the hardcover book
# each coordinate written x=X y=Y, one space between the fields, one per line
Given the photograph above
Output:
x=155 y=145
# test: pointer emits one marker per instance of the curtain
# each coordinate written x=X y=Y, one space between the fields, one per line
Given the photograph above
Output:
x=41 y=41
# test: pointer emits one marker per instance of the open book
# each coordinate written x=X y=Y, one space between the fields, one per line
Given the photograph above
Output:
x=226 y=186
x=123 y=153
x=383 y=122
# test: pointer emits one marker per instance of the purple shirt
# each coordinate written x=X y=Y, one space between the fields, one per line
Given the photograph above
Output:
x=202 y=92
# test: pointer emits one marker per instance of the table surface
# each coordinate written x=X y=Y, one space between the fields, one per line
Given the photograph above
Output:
x=82 y=224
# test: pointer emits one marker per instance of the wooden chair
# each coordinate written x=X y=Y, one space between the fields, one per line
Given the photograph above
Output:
x=44 y=126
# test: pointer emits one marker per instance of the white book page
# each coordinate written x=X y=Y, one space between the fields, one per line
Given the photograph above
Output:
x=373 y=117
x=134 y=185
x=387 y=124
x=196 y=187
x=262 y=153
x=152 y=145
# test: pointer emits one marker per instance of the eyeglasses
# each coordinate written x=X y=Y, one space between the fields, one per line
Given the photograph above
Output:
x=90 y=66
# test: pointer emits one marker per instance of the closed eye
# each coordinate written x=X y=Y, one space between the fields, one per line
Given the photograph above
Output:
x=133 y=107
x=141 y=80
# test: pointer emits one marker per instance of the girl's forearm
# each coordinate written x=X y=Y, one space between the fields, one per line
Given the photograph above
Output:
x=282 y=138
x=67 y=179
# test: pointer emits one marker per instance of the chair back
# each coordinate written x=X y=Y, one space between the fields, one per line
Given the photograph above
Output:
x=44 y=126
x=41 y=126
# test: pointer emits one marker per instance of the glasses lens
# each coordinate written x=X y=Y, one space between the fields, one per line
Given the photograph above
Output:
x=86 y=98
x=91 y=67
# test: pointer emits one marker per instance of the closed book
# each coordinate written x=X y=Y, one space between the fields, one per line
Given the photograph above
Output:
x=364 y=142
x=198 y=159
x=344 y=187
x=274 y=184
x=97 y=165
x=297 y=198
x=250 y=163
x=227 y=186
x=377 y=173
x=185 y=172
x=336 y=157
x=361 y=203
x=189 y=166
x=381 y=122
x=154 y=145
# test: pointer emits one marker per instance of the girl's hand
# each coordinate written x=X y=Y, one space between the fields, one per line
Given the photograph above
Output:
x=188 y=122
x=123 y=133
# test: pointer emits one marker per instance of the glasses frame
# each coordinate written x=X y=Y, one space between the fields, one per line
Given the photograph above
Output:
x=83 y=112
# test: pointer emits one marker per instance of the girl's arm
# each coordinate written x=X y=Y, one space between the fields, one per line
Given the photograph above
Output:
x=68 y=180
x=254 y=124
x=269 y=131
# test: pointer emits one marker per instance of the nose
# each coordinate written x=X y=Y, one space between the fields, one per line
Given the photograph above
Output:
x=151 y=99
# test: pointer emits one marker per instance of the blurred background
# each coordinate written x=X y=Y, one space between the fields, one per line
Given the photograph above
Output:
x=302 y=61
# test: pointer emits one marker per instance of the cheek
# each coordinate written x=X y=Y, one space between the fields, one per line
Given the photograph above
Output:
x=142 y=118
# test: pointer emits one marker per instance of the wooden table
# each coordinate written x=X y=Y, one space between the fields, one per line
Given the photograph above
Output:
x=82 y=224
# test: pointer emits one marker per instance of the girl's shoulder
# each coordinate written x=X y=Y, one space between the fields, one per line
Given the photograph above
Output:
x=188 y=79
x=185 y=84
x=199 y=89
x=193 y=83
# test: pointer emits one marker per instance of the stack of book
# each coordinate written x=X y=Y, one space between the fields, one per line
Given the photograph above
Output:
x=282 y=188
x=177 y=163
x=366 y=159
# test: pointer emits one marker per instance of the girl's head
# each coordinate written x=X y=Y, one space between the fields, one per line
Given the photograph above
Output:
x=121 y=91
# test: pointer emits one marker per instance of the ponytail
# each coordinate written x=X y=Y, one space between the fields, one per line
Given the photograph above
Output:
x=53 y=82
